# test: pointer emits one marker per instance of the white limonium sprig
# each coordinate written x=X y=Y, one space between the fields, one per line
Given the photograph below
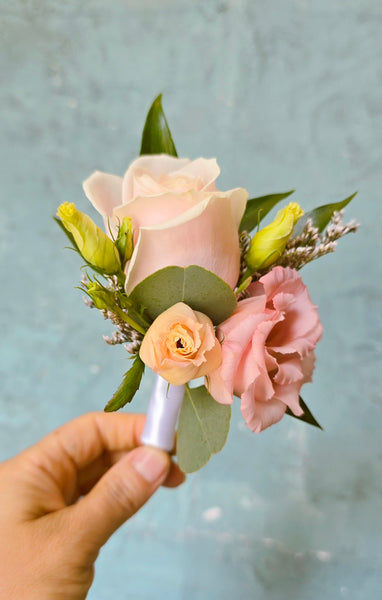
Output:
x=311 y=245
x=125 y=334
x=244 y=241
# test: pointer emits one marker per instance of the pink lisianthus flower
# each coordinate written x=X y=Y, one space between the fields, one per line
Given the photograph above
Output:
x=179 y=217
x=268 y=349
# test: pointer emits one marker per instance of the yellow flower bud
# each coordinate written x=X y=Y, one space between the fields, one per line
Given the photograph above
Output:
x=124 y=241
x=94 y=245
x=102 y=298
x=269 y=243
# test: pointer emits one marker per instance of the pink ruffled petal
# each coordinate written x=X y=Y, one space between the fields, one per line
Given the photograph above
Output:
x=289 y=371
x=301 y=329
x=217 y=387
x=239 y=327
x=289 y=395
x=270 y=363
x=104 y=191
x=259 y=415
x=231 y=356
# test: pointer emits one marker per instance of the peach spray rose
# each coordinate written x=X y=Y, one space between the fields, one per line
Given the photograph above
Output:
x=181 y=345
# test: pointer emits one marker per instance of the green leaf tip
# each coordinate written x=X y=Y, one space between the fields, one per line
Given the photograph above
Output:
x=156 y=136
x=67 y=233
x=321 y=215
x=203 y=428
x=129 y=386
x=306 y=417
x=258 y=208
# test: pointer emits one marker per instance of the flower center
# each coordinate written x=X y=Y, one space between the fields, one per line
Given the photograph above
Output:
x=181 y=342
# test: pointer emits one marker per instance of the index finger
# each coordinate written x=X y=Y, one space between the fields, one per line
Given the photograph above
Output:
x=87 y=437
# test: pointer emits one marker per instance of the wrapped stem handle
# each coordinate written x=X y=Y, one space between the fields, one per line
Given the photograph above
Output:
x=162 y=414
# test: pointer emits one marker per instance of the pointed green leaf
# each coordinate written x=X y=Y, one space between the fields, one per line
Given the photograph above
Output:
x=203 y=428
x=67 y=233
x=321 y=215
x=129 y=386
x=156 y=136
x=258 y=208
x=307 y=417
x=200 y=289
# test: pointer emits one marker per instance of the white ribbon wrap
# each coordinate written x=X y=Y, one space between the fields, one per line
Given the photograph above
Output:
x=162 y=414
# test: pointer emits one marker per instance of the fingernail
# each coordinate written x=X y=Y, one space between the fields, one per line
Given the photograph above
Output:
x=150 y=463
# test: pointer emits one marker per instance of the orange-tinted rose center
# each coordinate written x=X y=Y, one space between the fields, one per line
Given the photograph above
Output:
x=182 y=342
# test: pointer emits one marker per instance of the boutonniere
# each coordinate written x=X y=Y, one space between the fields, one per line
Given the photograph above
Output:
x=196 y=287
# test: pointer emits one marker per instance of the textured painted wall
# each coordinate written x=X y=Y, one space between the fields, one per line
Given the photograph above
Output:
x=286 y=94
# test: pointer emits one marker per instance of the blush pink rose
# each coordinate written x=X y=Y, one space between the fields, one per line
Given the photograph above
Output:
x=179 y=218
x=268 y=349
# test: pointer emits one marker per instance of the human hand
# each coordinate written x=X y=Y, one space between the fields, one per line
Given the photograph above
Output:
x=49 y=541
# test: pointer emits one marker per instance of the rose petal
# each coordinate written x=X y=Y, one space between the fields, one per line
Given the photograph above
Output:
x=210 y=353
x=157 y=348
x=207 y=170
x=182 y=242
x=104 y=191
x=154 y=210
x=156 y=164
x=238 y=197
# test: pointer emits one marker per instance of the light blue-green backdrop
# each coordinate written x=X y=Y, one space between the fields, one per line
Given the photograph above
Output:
x=286 y=94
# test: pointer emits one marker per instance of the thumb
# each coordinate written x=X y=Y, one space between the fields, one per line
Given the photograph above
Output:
x=120 y=493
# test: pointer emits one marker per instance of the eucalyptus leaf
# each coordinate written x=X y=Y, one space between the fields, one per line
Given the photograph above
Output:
x=258 y=208
x=321 y=215
x=307 y=417
x=202 y=430
x=200 y=289
x=129 y=386
x=156 y=136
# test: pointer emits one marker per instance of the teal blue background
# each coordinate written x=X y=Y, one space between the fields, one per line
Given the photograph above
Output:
x=286 y=94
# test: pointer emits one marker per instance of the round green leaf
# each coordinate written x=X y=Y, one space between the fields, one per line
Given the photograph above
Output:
x=202 y=430
x=200 y=289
